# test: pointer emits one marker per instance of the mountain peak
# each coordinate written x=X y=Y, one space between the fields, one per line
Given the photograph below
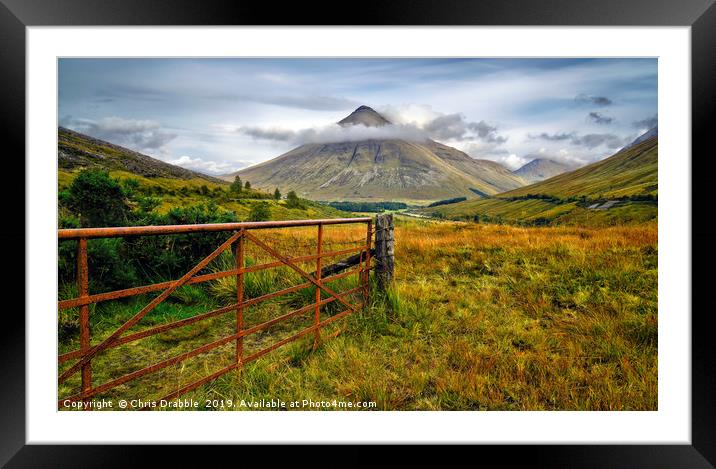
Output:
x=542 y=168
x=364 y=115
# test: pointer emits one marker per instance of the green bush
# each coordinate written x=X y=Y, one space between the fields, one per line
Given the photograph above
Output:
x=116 y=263
x=149 y=203
x=98 y=199
x=292 y=201
x=260 y=212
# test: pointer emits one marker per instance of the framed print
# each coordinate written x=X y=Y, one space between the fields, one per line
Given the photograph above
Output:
x=411 y=226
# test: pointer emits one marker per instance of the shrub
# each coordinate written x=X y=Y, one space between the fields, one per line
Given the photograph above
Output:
x=260 y=212
x=116 y=263
x=130 y=187
x=166 y=257
x=292 y=201
x=147 y=204
x=98 y=199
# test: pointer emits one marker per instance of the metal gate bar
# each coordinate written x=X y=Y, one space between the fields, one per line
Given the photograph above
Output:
x=86 y=352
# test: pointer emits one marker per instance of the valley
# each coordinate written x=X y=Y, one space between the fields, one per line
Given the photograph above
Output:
x=512 y=292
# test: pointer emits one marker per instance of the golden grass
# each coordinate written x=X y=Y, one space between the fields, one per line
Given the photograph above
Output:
x=481 y=317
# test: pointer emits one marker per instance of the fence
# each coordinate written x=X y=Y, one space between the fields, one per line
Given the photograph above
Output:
x=241 y=234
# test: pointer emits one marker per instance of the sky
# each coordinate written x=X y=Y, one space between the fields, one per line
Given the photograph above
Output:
x=219 y=115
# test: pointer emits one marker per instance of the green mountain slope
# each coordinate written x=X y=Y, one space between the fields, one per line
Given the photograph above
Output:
x=375 y=170
x=620 y=189
x=171 y=186
x=632 y=171
x=79 y=151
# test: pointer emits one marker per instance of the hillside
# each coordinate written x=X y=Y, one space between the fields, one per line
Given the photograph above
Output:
x=168 y=185
x=620 y=189
x=632 y=171
x=540 y=169
x=79 y=151
x=379 y=169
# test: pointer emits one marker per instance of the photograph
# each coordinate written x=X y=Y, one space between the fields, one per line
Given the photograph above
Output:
x=357 y=233
x=417 y=224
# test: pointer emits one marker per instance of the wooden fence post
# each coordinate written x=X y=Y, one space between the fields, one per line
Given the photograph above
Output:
x=384 y=250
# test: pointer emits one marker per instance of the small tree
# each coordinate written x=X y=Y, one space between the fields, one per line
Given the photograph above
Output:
x=236 y=185
x=260 y=212
x=204 y=190
x=292 y=200
x=247 y=186
x=277 y=194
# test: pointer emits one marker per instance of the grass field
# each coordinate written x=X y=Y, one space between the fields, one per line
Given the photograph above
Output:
x=481 y=317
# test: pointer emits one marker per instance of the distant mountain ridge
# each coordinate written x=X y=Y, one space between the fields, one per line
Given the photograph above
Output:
x=385 y=169
x=633 y=170
x=654 y=132
x=622 y=188
x=79 y=151
x=540 y=169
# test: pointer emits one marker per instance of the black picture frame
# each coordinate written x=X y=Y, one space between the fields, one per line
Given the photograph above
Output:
x=700 y=15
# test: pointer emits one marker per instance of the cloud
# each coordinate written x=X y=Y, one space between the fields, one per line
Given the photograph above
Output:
x=558 y=137
x=490 y=151
x=648 y=123
x=125 y=91
x=593 y=100
x=203 y=91
x=512 y=161
x=207 y=167
x=487 y=132
x=447 y=127
x=313 y=103
x=409 y=122
x=416 y=114
x=139 y=135
x=599 y=118
x=336 y=133
x=258 y=133
x=442 y=127
x=589 y=141
x=594 y=140
x=308 y=102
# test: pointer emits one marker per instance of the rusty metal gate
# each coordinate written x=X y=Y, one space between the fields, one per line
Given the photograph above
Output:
x=241 y=234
